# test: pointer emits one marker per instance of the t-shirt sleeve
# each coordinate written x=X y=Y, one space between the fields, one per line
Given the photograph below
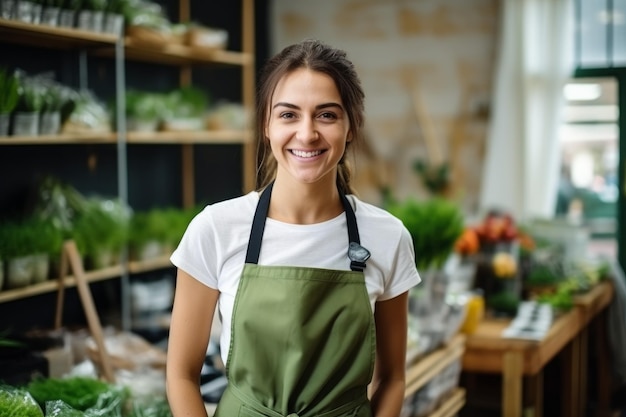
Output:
x=404 y=275
x=195 y=253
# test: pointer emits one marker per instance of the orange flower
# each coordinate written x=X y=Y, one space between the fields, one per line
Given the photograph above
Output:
x=526 y=242
x=467 y=243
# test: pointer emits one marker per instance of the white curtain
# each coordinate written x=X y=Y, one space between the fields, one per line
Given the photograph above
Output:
x=521 y=170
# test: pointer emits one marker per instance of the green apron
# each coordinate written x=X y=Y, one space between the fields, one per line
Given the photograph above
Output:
x=302 y=339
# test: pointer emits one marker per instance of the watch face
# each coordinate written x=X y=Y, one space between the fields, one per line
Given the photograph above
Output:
x=358 y=253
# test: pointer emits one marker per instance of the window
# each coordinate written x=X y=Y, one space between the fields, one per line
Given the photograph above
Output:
x=589 y=139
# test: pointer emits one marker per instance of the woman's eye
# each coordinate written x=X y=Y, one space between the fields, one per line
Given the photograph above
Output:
x=287 y=115
x=328 y=115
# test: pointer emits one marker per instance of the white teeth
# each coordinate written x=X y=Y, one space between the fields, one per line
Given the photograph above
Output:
x=303 y=154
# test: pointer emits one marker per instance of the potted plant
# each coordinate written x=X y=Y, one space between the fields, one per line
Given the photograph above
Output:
x=434 y=224
x=114 y=17
x=51 y=12
x=186 y=109
x=149 y=234
x=156 y=232
x=26 y=245
x=56 y=99
x=28 y=109
x=101 y=232
x=7 y=9
x=91 y=16
x=9 y=96
x=67 y=16
x=24 y=10
x=37 y=7
x=144 y=111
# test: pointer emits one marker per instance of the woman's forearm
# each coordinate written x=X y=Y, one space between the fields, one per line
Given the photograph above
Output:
x=387 y=398
x=184 y=399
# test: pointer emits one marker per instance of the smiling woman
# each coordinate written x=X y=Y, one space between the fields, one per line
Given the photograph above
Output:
x=312 y=282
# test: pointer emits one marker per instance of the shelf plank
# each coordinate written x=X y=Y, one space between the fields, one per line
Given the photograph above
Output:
x=179 y=54
x=103 y=274
x=452 y=405
x=53 y=285
x=137 y=267
x=16 y=32
x=207 y=136
x=62 y=139
x=152 y=138
x=23 y=33
x=427 y=367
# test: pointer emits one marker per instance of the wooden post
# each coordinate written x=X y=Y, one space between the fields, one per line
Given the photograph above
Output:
x=70 y=254
x=512 y=384
x=58 y=317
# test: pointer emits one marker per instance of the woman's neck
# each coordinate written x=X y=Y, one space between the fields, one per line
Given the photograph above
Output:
x=304 y=203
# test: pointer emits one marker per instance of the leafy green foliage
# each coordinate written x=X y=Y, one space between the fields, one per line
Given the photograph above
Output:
x=9 y=91
x=101 y=225
x=544 y=274
x=434 y=225
x=504 y=302
x=165 y=225
x=17 y=402
x=31 y=95
x=187 y=102
x=435 y=178
x=159 y=408
x=145 y=106
x=29 y=236
x=80 y=393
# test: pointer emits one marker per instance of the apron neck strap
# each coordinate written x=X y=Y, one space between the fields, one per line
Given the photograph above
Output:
x=258 y=227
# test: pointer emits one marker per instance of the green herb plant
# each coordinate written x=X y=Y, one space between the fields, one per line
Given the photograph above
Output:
x=80 y=393
x=145 y=106
x=29 y=236
x=9 y=91
x=18 y=402
x=187 y=102
x=31 y=95
x=101 y=227
x=434 y=224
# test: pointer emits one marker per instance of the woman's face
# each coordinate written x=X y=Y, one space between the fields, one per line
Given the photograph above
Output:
x=308 y=127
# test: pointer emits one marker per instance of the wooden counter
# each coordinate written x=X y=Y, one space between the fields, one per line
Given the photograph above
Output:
x=487 y=352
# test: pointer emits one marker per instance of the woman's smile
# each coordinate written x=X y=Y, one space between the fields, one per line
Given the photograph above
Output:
x=306 y=154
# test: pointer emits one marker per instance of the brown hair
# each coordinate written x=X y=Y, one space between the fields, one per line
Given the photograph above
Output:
x=316 y=56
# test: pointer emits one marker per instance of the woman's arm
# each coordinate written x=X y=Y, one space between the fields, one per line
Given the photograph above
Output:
x=388 y=384
x=190 y=329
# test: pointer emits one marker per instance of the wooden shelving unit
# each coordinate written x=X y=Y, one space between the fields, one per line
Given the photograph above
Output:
x=128 y=49
x=424 y=369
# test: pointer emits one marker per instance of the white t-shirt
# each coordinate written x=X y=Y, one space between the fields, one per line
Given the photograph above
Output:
x=213 y=250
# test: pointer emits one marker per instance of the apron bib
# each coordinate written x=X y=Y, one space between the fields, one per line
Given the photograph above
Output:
x=302 y=339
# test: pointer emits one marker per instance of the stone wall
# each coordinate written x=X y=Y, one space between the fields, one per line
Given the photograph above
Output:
x=427 y=69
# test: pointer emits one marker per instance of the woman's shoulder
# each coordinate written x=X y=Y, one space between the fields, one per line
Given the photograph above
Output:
x=236 y=207
x=369 y=211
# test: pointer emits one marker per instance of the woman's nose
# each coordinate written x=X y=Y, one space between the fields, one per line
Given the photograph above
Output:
x=306 y=131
